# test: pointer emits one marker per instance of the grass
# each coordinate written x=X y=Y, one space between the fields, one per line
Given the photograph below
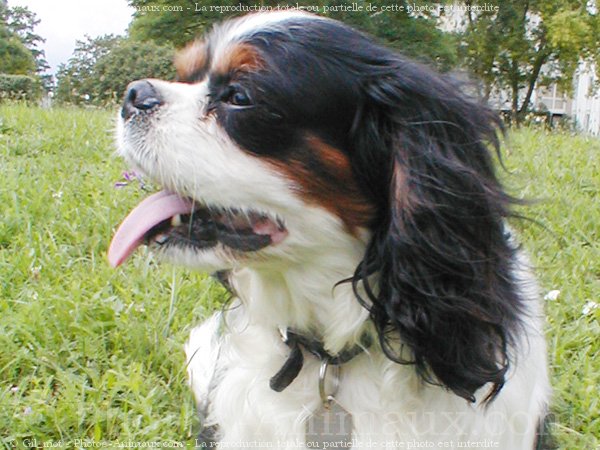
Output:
x=88 y=352
x=562 y=171
x=85 y=351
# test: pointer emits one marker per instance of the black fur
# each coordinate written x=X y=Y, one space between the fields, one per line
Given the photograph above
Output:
x=418 y=148
x=440 y=250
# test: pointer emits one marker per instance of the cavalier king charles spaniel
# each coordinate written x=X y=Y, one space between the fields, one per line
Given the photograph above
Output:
x=347 y=197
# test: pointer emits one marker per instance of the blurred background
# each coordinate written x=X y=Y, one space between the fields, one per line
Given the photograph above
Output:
x=532 y=60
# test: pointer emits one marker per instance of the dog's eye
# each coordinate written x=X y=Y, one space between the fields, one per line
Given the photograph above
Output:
x=236 y=95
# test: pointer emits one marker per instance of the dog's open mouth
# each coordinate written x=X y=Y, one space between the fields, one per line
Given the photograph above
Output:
x=167 y=219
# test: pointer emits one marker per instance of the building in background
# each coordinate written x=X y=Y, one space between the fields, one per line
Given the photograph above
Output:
x=586 y=100
x=581 y=107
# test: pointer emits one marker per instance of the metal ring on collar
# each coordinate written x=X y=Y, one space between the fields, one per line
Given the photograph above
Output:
x=326 y=398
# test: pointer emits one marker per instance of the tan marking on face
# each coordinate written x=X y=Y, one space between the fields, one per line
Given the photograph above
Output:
x=191 y=59
x=238 y=57
x=332 y=185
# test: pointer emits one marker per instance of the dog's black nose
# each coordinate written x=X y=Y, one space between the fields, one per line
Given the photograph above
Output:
x=140 y=95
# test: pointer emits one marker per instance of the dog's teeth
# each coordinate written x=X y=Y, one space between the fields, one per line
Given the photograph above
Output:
x=176 y=220
x=161 y=238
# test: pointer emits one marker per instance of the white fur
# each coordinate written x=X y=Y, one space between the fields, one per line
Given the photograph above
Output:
x=232 y=357
x=388 y=402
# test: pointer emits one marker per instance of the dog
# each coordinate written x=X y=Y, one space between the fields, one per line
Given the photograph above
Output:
x=348 y=197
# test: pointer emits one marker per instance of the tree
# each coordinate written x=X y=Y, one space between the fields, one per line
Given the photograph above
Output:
x=19 y=44
x=523 y=44
x=75 y=78
x=100 y=69
x=15 y=58
x=21 y=21
x=130 y=61
x=415 y=35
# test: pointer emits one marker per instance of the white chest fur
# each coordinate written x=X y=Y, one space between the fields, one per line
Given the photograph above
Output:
x=231 y=364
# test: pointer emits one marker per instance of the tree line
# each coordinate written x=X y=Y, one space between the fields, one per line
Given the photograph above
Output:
x=512 y=46
x=22 y=62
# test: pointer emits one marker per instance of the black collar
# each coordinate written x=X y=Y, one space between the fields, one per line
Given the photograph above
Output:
x=293 y=364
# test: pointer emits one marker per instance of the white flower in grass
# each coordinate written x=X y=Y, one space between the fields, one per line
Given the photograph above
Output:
x=589 y=307
x=552 y=295
x=57 y=194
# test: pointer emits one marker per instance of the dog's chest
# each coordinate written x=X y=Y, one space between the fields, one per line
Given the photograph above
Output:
x=230 y=369
x=245 y=408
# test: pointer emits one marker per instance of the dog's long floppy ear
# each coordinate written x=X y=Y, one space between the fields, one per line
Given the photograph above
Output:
x=443 y=287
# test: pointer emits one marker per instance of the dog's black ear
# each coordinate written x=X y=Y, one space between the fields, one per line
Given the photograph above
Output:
x=443 y=265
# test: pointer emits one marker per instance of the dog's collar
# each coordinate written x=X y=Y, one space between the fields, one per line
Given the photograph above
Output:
x=294 y=362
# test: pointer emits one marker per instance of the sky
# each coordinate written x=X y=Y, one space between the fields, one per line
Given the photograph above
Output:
x=65 y=21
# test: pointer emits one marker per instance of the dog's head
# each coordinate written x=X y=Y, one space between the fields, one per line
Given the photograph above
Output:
x=289 y=136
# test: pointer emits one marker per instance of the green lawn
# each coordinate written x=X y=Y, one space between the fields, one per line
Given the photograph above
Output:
x=88 y=352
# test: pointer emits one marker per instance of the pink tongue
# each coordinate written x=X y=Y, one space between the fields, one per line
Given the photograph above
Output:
x=149 y=213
